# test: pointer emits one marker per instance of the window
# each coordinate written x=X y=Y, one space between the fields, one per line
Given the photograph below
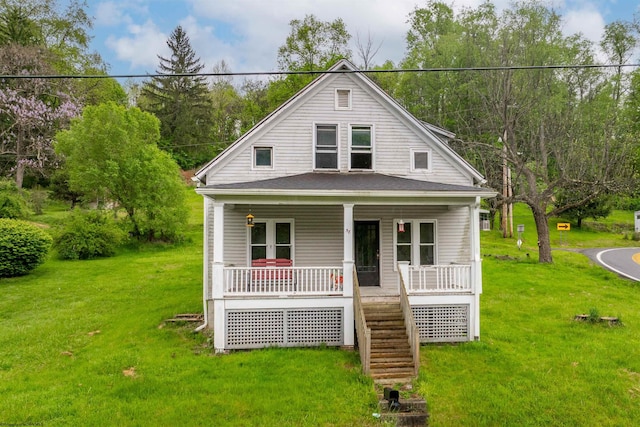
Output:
x=343 y=99
x=262 y=157
x=361 y=147
x=417 y=243
x=421 y=160
x=271 y=239
x=326 y=147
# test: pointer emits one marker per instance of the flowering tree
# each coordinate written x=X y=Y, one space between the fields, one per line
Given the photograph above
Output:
x=29 y=126
x=31 y=111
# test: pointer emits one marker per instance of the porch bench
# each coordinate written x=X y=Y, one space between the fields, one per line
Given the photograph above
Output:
x=277 y=270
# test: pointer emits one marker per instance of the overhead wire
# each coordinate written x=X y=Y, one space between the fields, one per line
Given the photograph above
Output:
x=316 y=72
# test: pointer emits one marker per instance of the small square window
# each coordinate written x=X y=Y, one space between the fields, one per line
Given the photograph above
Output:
x=421 y=160
x=263 y=157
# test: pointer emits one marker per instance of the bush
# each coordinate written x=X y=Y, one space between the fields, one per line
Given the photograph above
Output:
x=88 y=234
x=22 y=247
x=12 y=204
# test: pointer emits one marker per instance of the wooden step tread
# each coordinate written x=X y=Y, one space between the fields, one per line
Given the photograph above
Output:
x=377 y=366
x=391 y=355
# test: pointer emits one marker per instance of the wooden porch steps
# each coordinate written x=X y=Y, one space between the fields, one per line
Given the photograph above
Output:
x=391 y=356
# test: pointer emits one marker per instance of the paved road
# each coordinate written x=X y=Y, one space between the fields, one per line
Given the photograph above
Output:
x=623 y=261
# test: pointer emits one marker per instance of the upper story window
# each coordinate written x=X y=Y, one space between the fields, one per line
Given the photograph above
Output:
x=263 y=157
x=420 y=160
x=326 y=147
x=361 y=147
x=343 y=99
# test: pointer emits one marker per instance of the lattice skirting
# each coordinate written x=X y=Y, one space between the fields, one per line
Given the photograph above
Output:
x=284 y=327
x=443 y=323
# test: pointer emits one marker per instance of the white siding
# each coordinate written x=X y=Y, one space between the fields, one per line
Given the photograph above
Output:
x=452 y=233
x=318 y=233
x=291 y=135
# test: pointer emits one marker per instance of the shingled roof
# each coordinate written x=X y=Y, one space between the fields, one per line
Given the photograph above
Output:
x=345 y=182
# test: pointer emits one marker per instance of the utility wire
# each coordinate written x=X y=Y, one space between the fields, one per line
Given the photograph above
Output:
x=286 y=73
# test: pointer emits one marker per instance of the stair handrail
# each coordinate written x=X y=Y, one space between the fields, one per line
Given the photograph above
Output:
x=363 y=332
x=410 y=324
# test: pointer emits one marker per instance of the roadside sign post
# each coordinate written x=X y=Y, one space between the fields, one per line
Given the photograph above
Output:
x=520 y=231
x=563 y=227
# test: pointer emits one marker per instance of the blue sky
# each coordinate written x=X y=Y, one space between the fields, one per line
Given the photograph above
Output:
x=246 y=34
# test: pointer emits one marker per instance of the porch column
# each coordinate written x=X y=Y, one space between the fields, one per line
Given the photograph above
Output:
x=217 y=277
x=347 y=275
x=476 y=273
x=347 y=258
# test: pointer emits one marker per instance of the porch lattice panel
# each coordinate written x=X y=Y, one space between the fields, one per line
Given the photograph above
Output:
x=284 y=327
x=442 y=323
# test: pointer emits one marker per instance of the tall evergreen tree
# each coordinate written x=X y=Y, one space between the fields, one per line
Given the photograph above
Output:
x=179 y=98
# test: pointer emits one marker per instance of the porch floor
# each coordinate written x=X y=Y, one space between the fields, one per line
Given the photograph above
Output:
x=378 y=294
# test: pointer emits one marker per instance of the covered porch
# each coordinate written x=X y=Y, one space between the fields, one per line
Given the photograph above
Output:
x=329 y=237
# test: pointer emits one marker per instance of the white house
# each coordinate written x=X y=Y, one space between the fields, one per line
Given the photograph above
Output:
x=349 y=198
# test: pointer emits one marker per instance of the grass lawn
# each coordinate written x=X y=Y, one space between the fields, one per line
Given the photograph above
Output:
x=84 y=343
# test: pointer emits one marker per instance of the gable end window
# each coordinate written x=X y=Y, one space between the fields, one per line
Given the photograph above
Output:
x=420 y=160
x=417 y=243
x=326 y=147
x=263 y=157
x=361 y=147
x=343 y=99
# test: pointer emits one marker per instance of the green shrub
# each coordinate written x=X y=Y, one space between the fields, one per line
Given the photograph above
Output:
x=12 y=204
x=88 y=234
x=22 y=247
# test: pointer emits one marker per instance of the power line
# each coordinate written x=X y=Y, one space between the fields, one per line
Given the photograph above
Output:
x=315 y=72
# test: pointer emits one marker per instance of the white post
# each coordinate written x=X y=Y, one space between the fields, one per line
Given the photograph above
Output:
x=347 y=257
x=347 y=275
x=403 y=269
x=476 y=273
x=217 y=277
x=205 y=264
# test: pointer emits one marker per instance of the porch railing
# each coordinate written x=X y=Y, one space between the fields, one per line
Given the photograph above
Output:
x=283 y=281
x=453 y=278
x=362 y=331
x=410 y=324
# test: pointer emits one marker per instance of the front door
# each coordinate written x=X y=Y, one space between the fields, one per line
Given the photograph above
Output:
x=367 y=252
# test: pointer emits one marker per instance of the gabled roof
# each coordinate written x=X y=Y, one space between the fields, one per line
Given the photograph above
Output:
x=345 y=66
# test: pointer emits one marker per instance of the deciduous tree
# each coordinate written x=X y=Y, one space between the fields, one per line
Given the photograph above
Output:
x=112 y=154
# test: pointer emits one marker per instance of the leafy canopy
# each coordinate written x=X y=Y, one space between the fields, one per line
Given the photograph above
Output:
x=112 y=155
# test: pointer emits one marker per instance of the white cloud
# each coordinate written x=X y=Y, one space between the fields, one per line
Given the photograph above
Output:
x=109 y=14
x=586 y=20
x=208 y=47
x=141 y=47
x=247 y=33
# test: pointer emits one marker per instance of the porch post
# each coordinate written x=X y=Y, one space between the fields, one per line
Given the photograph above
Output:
x=347 y=274
x=217 y=277
x=476 y=273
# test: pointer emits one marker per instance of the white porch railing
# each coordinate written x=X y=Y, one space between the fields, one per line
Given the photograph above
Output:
x=454 y=278
x=276 y=281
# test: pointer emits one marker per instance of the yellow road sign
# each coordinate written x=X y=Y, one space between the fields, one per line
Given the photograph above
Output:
x=564 y=226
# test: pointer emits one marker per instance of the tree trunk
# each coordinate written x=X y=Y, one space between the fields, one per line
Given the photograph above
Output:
x=542 y=228
x=19 y=174
x=19 y=158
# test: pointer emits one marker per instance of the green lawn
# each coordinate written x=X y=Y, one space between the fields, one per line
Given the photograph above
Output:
x=84 y=343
